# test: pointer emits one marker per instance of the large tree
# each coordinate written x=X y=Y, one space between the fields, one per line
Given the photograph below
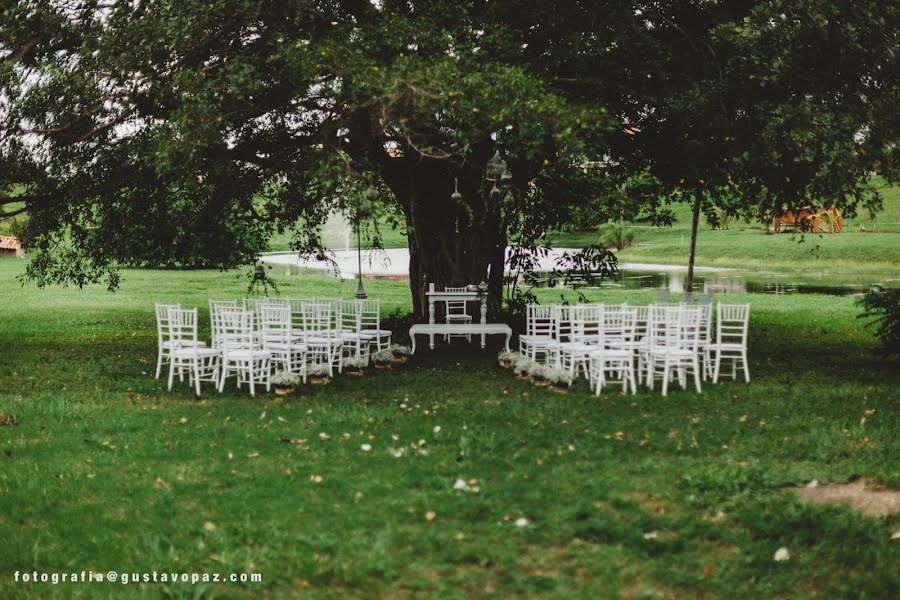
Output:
x=185 y=132
x=752 y=107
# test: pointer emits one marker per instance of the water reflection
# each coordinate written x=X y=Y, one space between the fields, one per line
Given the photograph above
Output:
x=727 y=282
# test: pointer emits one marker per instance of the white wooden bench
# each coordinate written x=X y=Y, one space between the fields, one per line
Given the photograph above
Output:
x=432 y=329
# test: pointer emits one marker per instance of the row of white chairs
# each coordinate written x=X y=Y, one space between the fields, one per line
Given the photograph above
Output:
x=639 y=344
x=251 y=338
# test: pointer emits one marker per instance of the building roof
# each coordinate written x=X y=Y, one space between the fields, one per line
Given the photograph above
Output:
x=8 y=242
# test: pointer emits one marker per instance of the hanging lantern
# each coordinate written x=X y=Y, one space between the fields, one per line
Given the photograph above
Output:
x=495 y=167
x=456 y=196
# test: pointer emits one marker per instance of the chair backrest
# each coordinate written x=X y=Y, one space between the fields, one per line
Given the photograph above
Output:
x=641 y=314
x=350 y=317
x=317 y=317
x=162 y=322
x=586 y=322
x=275 y=325
x=690 y=327
x=732 y=321
x=562 y=322
x=541 y=319
x=335 y=304
x=369 y=313
x=214 y=307
x=706 y=320
x=182 y=324
x=234 y=328
x=614 y=322
x=663 y=324
x=617 y=328
x=455 y=307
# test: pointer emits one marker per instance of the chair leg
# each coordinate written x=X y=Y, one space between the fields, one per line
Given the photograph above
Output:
x=171 y=372
x=746 y=366
x=665 y=381
x=252 y=377
x=197 y=376
x=718 y=364
x=696 y=367
x=159 y=361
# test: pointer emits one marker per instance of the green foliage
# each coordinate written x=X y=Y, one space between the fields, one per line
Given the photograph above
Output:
x=882 y=307
x=615 y=235
x=227 y=122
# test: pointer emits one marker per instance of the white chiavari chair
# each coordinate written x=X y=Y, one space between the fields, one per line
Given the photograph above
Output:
x=540 y=330
x=614 y=355
x=242 y=355
x=321 y=338
x=164 y=342
x=276 y=333
x=732 y=322
x=186 y=355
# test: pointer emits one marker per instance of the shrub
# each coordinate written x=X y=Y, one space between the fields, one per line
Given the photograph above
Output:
x=615 y=235
x=882 y=306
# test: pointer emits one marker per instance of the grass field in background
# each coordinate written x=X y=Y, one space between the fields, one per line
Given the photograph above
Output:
x=624 y=496
x=873 y=251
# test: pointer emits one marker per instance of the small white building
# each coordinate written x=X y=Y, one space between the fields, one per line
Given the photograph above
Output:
x=11 y=246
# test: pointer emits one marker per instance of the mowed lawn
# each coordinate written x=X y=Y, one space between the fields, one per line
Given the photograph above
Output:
x=624 y=496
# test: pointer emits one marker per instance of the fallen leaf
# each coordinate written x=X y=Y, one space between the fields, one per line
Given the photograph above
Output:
x=430 y=515
x=209 y=526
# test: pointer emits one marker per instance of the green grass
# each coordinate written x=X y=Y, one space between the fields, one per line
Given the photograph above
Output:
x=106 y=470
x=873 y=252
x=854 y=255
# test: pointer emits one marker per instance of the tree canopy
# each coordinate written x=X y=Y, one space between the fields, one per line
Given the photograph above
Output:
x=186 y=132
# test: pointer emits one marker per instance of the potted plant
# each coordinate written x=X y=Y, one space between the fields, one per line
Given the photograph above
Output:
x=523 y=366
x=539 y=374
x=318 y=373
x=285 y=382
x=560 y=379
x=356 y=365
x=506 y=358
x=400 y=353
x=383 y=359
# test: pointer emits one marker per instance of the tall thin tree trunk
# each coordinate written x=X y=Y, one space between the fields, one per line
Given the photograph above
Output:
x=695 y=221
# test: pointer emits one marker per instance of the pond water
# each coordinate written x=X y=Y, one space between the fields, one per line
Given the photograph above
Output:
x=737 y=282
x=394 y=264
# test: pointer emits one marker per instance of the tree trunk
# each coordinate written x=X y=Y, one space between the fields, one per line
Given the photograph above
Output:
x=451 y=243
x=695 y=220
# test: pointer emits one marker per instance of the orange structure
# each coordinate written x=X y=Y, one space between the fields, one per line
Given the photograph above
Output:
x=814 y=220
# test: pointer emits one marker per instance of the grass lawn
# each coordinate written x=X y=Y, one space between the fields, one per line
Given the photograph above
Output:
x=634 y=497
